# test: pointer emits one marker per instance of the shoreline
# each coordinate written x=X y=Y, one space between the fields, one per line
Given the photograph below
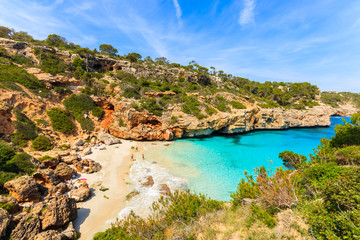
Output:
x=115 y=162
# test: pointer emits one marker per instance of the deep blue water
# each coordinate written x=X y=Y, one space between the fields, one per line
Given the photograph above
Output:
x=214 y=165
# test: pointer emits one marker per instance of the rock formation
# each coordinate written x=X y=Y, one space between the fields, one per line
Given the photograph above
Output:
x=82 y=193
x=24 y=189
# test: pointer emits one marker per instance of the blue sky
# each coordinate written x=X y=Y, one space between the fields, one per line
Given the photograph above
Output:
x=314 y=41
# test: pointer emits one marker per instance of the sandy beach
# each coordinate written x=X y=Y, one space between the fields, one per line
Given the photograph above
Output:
x=104 y=205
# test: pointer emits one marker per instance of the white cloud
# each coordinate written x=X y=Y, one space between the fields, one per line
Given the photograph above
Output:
x=178 y=10
x=247 y=13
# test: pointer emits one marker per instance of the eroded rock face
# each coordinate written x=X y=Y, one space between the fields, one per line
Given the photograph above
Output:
x=11 y=202
x=4 y=222
x=51 y=163
x=64 y=171
x=58 y=189
x=165 y=190
x=82 y=193
x=60 y=211
x=148 y=181
x=87 y=166
x=27 y=228
x=24 y=189
x=50 y=235
x=46 y=177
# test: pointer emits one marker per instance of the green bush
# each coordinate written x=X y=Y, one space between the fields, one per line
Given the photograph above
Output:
x=6 y=153
x=20 y=163
x=61 y=121
x=98 y=112
x=5 y=177
x=190 y=105
x=42 y=143
x=132 y=92
x=237 y=105
x=291 y=159
x=152 y=106
x=210 y=111
x=21 y=59
x=221 y=104
x=11 y=73
x=247 y=188
x=86 y=123
x=62 y=90
x=262 y=215
x=45 y=158
x=50 y=62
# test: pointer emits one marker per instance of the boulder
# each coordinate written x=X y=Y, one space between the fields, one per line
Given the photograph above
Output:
x=164 y=190
x=46 y=177
x=24 y=189
x=10 y=204
x=4 y=222
x=51 y=162
x=69 y=231
x=87 y=166
x=148 y=181
x=79 y=142
x=82 y=193
x=50 y=235
x=107 y=138
x=64 y=171
x=69 y=159
x=87 y=151
x=58 y=189
x=27 y=228
x=60 y=211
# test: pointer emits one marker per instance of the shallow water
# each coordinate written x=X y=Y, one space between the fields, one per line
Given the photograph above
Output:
x=214 y=165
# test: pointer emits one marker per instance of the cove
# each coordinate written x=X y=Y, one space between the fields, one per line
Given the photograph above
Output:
x=215 y=165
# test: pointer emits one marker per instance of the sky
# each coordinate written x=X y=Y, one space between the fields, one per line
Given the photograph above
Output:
x=315 y=41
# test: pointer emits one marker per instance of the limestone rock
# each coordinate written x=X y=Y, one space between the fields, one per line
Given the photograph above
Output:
x=148 y=181
x=49 y=235
x=4 y=222
x=69 y=231
x=51 y=163
x=86 y=151
x=28 y=227
x=132 y=194
x=46 y=177
x=58 y=189
x=64 y=171
x=165 y=190
x=79 y=142
x=107 y=138
x=87 y=166
x=60 y=211
x=69 y=159
x=11 y=203
x=24 y=189
x=82 y=193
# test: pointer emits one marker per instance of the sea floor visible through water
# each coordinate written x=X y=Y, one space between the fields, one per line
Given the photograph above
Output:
x=215 y=165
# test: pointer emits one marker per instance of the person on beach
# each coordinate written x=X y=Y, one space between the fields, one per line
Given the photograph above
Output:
x=143 y=157
x=132 y=157
x=137 y=148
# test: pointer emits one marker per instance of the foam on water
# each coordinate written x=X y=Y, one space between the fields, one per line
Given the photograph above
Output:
x=142 y=202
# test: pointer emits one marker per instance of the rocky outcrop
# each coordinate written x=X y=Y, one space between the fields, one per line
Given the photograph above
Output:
x=51 y=162
x=148 y=181
x=46 y=177
x=24 y=189
x=165 y=190
x=27 y=228
x=87 y=166
x=58 y=189
x=60 y=211
x=143 y=126
x=108 y=139
x=82 y=193
x=10 y=204
x=50 y=235
x=64 y=171
x=4 y=222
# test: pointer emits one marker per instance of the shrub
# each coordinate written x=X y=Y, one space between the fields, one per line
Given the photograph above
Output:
x=173 y=119
x=86 y=123
x=152 y=106
x=11 y=73
x=50 y=62
x=247 y=188
x=221 y=104
x=42 y=143
x=291 y=159
x=61 y=121
x=20 y=163
x=262 y=215
x=349 y=155
x=61 y=90
x=210 y=111
x=45 y=158
x=6 y=153
x=190 y=105
x=21 y=59
x=5 y=177
x=132 y=92
x=237 y=105
x=98 y=112
x=122 y=123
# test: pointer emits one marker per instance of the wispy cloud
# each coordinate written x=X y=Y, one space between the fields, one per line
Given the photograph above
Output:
x=178 y=11
x=247 y=13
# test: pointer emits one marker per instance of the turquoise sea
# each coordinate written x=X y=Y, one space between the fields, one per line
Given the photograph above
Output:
x=214 y=165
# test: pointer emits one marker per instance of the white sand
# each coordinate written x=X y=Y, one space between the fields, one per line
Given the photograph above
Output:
x=93 y=213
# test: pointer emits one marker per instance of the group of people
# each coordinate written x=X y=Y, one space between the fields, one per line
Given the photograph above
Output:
x=132 y=155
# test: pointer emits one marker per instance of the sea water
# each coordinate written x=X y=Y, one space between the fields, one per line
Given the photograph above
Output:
x=215 y=165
